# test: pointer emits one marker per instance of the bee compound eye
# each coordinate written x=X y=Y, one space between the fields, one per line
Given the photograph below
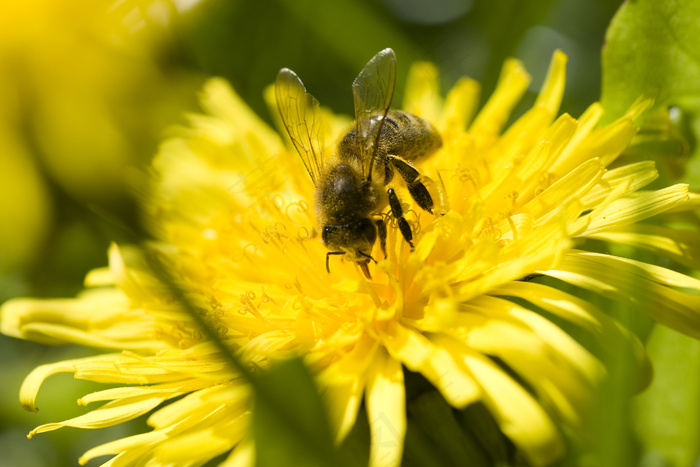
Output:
x=328 y=231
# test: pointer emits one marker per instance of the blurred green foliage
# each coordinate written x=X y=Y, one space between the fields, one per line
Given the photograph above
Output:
x=654 y=49
x=290 y=422
x=87 y=96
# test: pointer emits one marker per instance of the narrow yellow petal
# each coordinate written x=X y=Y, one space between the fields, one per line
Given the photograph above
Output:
x=204 y=443
x=608 y=142
x=233 y=396
x=571 y=351
x=611 y=334
x=692 y=203
x=386 y=411
x=511 y=86
x=355 y=362
x=534 y=168
x=572 y=186
x=549 y=342
x=437 y=364
x=241 y=122
x=130 y=449
x=635 y=208
x=422 y=94
x=553 y=87
x=639 y=106
x=572 y=156
x=110 y=414
x=243 y=455
x=518 y=415
x=460 y=105
x=343 y=384
x=679 y=245
x=32 y=383
x=99 y=277
x=168 y=390
x=632 y=176
x=343 y=402
x=644 y=285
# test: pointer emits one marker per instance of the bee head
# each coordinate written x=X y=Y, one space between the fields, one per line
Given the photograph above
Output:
x=356 y=238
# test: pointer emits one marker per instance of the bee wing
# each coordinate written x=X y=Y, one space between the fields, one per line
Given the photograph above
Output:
x=301 y=115
x=373 y=90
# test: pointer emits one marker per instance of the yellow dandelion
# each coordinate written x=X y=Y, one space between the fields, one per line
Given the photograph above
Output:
x=232 y=208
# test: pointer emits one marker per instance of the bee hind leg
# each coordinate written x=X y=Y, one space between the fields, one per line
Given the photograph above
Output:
x=397 y=212
x=417 y=189
x=381 y=232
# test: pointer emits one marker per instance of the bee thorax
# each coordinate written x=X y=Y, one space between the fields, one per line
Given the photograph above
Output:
x=343 y=197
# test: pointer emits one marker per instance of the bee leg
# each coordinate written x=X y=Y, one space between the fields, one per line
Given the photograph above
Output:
x=381 y=231
x=328 y=255
x=397 y=212
x=417 y=189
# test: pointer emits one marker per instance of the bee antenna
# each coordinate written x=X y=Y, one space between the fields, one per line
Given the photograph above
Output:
x=366 y=256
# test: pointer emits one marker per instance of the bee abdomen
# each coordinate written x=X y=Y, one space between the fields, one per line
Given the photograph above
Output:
x=409 y=136
x=402 y=134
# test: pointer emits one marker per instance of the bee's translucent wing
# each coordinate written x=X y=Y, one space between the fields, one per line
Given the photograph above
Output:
x=373 y=90
x=301 y=115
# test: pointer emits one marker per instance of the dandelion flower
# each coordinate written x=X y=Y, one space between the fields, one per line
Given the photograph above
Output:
x=230 y=205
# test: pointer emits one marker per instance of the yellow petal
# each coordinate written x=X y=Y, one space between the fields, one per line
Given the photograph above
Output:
x=681 y=246
x=386 y=411
x=553 y=87
x=238 y=121
x=644 y=285
x=609 y=333
x=635 y=208
x=572 y=186
x=110 y=414
x=32 y=383
x=511 y=85
x=132 y=448
x=460 y=105
x=559 y=369
x=422 y=94
x=632 y=176
x=233 y=396
x=343 y=402
x=242 y=455
x=518 y=415
x=169 y=390
x=438 y=364
x=60 y=321
x=572 y=155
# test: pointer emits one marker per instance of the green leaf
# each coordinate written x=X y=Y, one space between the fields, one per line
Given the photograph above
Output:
x=289 y=421
x=667 y=415
x=654 y=46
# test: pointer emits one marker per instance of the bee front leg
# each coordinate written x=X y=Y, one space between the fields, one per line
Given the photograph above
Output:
x=397 y=212
x=328 y=256
x=417 y=189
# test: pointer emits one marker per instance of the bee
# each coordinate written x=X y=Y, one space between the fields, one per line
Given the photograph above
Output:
x=351 y=185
